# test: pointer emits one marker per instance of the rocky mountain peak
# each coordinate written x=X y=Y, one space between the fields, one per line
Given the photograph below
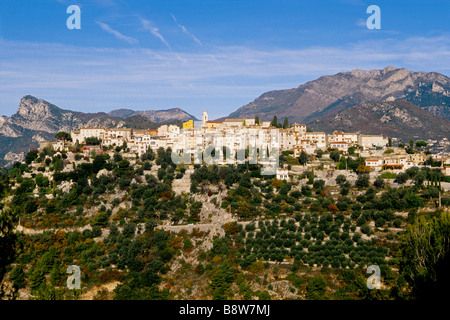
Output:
x=330 y=94
x=390 y=68
x=40 y=115
x=37 y=120
x=2 y=120
x=32 y=108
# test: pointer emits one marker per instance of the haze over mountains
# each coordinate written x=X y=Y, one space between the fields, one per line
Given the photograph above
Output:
x=331 y=94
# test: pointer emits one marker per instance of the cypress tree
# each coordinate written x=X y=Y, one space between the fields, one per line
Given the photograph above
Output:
x=274 y=122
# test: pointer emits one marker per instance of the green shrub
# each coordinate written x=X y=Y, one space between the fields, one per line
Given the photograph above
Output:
x=388 y=175
x=366 y=229
x=316 y=288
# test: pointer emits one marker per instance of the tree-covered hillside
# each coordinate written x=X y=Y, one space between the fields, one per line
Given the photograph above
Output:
x=145 y=228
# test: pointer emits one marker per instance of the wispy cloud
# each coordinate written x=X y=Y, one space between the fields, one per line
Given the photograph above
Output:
x=183 y=28
x=148 y=26
x=142 y=78
x=361 y=23
x=116 y=33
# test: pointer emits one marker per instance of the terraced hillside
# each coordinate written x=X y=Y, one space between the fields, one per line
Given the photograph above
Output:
x=136 y=233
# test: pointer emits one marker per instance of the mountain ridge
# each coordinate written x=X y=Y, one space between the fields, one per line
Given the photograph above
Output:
x=330 y=94
x=400 y=119
x=315 y=101
x=154 y=115
x=38 y=120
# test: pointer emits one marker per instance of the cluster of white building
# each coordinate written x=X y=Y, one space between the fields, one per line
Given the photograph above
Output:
x=404 y=161
x=233 y=134
x=231 y=137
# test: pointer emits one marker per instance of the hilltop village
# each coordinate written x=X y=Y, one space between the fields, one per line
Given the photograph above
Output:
x=140 y=226
x=238 y=133
x=234 y=135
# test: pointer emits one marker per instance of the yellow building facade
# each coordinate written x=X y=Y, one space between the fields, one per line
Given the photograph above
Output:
x=188 y=124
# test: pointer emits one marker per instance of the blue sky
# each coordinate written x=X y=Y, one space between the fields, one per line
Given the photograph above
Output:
x=204 y=54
